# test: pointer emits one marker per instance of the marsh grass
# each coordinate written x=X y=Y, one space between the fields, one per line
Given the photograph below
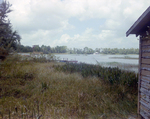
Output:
x=33 y=89
x=114 y=76
x=122 y=66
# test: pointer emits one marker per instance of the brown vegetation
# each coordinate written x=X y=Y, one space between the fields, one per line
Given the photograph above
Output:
x=32 y=89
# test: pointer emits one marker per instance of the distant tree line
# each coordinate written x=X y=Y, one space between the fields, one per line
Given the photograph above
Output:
x=120 y=51
x=43 y=48
x=86 y=50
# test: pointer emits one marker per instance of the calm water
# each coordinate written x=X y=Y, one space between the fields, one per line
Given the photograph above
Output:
x=100 y=58
x=105 y=60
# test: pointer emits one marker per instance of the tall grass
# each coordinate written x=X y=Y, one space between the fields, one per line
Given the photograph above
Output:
x=107 y=74
x=33 y=89
x=122 y=66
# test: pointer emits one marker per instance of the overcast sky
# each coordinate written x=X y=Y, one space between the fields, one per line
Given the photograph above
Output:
x=77 y=23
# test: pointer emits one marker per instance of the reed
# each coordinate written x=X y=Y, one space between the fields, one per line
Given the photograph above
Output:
x=114 y=76
x=36 y=90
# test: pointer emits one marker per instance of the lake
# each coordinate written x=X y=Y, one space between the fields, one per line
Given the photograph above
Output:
x=126 y=62
x=100 y=58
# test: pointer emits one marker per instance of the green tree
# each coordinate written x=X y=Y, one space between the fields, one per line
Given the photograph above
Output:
x=8 y=38
x=36 y=48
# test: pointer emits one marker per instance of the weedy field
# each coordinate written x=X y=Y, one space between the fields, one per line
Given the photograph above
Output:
x=50 y=90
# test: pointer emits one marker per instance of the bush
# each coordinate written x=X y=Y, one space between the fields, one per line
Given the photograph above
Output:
x=107 y=74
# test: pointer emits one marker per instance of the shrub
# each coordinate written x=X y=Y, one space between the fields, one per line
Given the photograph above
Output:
x=107 y=74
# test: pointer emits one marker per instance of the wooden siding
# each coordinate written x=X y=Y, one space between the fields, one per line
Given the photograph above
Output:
x=144 y=79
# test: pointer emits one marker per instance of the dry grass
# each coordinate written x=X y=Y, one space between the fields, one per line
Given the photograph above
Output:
x=29 y=89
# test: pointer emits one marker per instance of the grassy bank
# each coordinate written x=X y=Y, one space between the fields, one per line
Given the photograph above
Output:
x=31 y=89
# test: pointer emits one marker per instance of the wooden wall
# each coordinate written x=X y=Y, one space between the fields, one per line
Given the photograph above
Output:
x=144 y=79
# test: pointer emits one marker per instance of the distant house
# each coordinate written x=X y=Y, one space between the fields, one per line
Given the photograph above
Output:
x=141 y=28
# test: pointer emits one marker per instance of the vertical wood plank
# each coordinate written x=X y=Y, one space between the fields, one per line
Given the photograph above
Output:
x=139 y=80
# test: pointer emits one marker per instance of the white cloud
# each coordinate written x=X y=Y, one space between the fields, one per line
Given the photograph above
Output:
x=46 y=21
x=65 y=38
